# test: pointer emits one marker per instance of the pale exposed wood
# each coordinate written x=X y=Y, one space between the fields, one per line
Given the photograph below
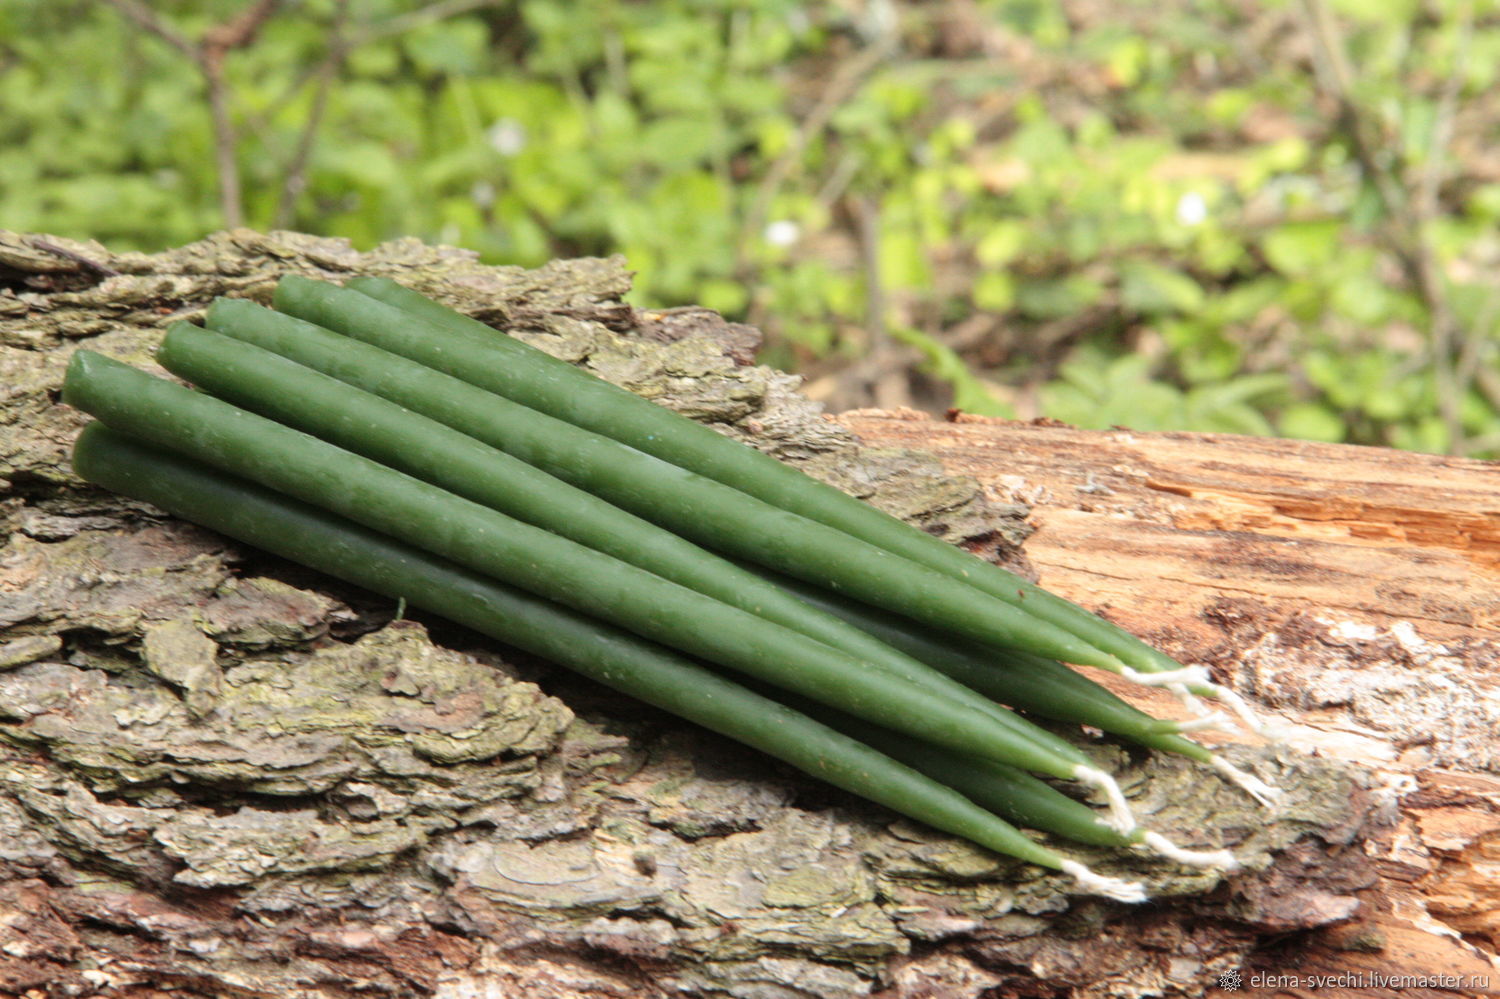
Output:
x=1353 y=592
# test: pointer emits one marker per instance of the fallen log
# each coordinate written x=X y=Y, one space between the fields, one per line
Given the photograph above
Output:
x=221 y=774
x=1352 y=592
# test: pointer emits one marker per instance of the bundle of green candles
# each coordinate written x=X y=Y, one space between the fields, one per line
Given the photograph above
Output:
x=373 y=434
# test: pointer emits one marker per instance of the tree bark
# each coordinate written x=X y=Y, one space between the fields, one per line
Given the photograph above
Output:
x=225 y=775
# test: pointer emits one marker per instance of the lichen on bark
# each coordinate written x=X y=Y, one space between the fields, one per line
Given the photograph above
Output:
x=257 y=779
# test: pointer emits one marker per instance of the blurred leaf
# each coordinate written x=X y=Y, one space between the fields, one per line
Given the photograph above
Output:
x=1428 y=434
x=1484 y=202
x=379 y=59
x=727 y=297
x=679 y=142
x=995 y=291
x=1362 y=297
x=1389 y=11
x=1300 y=248
x=1177 y=159
x=1058 y=298
x=1230 y=104
x=1312 y=422
x=1001 y=243
x=1152 y=288
x=1227 y=406
x=442 y=47
x=368 y=164
x=902 y=262
x=969 y=393
x=1127 y=61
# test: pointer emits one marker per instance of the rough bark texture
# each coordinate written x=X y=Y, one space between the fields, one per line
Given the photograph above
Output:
x=225 y=775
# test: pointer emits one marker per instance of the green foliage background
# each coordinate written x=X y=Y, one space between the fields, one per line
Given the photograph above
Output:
x=1151 y=214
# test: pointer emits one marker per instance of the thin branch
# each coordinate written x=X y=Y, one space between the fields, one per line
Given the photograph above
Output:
x=208 y=53
x=1408 y=234
x=225 y=161
x=363 y=36
x=218 y=41
x=888 y=388
x=261 y=120
x=145 y=18
x=1331 y=65
x=239 y=31
x=1431 y=177
x=294 y=179
x=838 y=181
x=1448 y=341
x=403 y=23
x=1479 y=345
x=845 y=83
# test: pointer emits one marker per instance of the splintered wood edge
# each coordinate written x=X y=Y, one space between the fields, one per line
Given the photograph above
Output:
x=1353 y=593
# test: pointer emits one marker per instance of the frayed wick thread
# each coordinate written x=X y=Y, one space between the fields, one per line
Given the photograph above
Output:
x=1252 y=785
x=1221 y=859
x=1179 y=680
x=1241 y=708
x=1120 y=817
x=1189 y=700
x=1188 y=675
x=1216 y=719
x=1247 y=715
x=1098 y=884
